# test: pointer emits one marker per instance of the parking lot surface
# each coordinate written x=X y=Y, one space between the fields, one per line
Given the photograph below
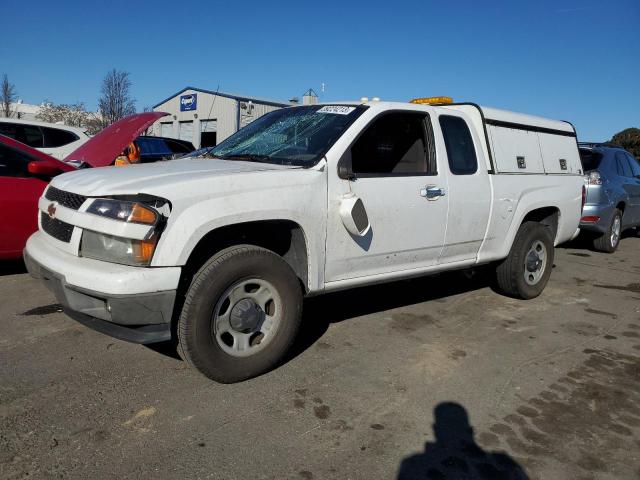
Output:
x=431 y=378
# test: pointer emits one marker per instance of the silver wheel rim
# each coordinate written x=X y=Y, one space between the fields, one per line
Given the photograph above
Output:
x=535 y=263
x=615 y=231
x=246 y=317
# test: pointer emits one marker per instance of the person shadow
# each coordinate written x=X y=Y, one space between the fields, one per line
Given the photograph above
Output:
x=455 y=455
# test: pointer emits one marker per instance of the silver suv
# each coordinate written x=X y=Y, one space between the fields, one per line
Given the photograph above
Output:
x=612 y=203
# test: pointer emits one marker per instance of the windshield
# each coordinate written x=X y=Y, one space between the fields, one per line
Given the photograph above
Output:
x=290 y=136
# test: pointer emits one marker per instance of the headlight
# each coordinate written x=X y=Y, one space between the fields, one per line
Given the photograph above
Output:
x=126 y=251
x=126 y=211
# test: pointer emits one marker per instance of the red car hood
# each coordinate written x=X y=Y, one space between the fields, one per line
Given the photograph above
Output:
x=102 y=149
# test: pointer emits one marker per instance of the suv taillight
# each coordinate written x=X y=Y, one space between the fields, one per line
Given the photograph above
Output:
x=584 y=197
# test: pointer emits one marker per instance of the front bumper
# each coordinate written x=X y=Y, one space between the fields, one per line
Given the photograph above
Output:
x=140 y=317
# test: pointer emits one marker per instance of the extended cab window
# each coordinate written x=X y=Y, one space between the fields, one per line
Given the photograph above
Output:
x=395 y=143
x=459 y=144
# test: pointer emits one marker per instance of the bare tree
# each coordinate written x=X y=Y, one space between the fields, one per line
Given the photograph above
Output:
x=115 y=102
x=8 y=95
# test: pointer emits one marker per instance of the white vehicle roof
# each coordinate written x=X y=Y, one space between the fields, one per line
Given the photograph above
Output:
x=77 y=130
x=524 y=119
x=490 y=113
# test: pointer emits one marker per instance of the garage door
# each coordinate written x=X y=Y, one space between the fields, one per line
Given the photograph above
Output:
x=186 y=131
x=166 y=129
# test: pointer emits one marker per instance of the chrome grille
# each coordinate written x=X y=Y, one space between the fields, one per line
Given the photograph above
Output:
x=67 y=199
x=57 y=229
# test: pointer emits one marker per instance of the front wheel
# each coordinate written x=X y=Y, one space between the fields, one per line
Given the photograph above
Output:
x=608 y=242
x=526 y=271
x=241 y=314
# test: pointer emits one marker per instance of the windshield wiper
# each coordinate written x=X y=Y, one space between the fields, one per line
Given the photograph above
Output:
x=250 y=157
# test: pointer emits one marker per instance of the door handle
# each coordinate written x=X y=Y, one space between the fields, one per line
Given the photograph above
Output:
x=431 y=192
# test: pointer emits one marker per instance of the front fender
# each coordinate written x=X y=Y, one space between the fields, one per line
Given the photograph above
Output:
x=188 y=224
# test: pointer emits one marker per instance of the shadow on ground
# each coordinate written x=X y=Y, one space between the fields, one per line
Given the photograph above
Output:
x=321 y=311
x=455 y=453
x=584 y=241
x=12 y=267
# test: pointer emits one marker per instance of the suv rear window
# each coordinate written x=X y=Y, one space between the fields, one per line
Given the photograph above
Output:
x=590 y=159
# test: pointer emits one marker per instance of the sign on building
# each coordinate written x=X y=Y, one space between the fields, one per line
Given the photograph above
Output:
x=188 y=102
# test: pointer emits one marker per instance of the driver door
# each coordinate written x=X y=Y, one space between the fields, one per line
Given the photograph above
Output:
x=395 y=175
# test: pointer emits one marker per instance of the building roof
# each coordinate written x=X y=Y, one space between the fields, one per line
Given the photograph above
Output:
x=242 y=98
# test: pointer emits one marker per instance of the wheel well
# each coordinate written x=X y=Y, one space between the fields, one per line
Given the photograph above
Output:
x=283 y=237
x=548 y=216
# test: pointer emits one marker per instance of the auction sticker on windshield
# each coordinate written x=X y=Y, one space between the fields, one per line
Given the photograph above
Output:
x=337 y=109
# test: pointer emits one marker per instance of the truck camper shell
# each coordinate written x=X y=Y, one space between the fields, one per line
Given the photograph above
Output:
x=516 y=143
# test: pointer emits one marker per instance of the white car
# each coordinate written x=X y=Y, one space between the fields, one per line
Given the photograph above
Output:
x=51 y=138
x=217 y=251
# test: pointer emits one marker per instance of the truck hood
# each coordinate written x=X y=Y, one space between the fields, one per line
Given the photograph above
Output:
x=156 y=177
x=102 y=149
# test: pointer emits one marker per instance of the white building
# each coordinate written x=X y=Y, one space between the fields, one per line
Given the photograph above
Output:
x=206 y=117
x=24 y=111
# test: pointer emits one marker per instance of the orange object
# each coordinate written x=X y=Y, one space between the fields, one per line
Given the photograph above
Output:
x=432 y=100
x=143 y=250
x=133 y=153
x=140 y=214
x=121 y=161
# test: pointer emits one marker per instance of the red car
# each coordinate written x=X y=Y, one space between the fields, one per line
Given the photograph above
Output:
x=25 y=172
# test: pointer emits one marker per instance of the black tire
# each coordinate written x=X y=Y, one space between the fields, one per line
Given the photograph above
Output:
x=607 y=242
x=510 y=273
x=196 y=342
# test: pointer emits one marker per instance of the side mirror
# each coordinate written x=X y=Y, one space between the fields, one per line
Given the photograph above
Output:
x=354 y=216
x=44 y=168
x=345 y=172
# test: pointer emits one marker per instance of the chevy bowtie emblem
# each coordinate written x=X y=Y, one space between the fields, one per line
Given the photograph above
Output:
x=51 y=210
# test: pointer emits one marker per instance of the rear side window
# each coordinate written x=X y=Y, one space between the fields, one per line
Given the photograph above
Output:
x=394 y=143
x=54 y=137
x=459 y=144
x=9 y=130
x=635 y=166
x=12 y=162
x=33 y=136
x=590 y=159
x=622 y=165
x=28 y=134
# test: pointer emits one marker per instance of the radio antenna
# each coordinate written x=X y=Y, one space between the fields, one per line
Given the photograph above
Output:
x=215 y=95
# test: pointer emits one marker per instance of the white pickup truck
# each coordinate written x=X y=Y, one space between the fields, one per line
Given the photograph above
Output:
x=218 y=251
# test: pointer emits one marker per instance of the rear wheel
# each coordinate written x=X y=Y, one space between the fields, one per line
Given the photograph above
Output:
x=608 y=242
x=241 y=314
x=526 y=271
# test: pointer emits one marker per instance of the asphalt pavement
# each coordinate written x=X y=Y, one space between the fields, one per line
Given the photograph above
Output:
x=432 y=378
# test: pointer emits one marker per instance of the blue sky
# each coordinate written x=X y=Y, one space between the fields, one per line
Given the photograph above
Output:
x=567 y=59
